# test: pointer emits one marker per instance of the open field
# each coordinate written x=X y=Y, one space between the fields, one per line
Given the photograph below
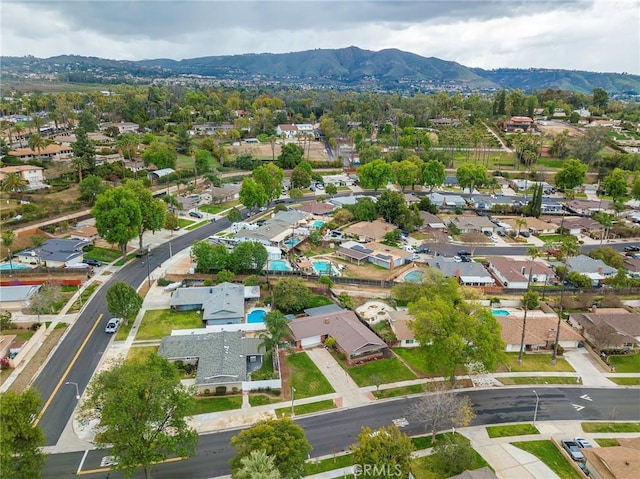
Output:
x=314 y=151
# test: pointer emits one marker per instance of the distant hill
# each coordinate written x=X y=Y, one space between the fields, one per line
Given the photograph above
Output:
x=345 y=67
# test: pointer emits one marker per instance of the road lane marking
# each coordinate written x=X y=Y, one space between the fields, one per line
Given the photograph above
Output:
x=586 y=397
x=578 y=407
x=84 y=456
x=107 y=469
x=401 y=422
x=64 y=375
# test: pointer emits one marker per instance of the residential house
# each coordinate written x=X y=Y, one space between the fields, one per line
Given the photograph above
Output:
x=445 y=122
x=54 y=253
x=287 y=131
x=123 y=127
x=279 y=230
x=50 y=152
x=540 y=332
x=430 y=220
x=587 y=207
x=226 y=192
x=316 y=208
x=551 y=206
x=354 y=339
x=376 y=253
x=632 y=265
x=154 y=176
x=350 y=200
x=220 y=304
x=15 y=298
x=477 y=224
x=582 y=226
x=450 y=182
x=88 y=233
x=111 y=158
x=616 y=328
x=411 y=199
x=467 y=274
x=595 y=269
x=400 y=325
x=617 y=462
x=490 y=202
x=522 y=185
x=454 y=201
x=222 y=360
x=370 y=230
x=339 y=180
x=514 y=274
x=518 y=124
x=33 y=175
x=533 y=225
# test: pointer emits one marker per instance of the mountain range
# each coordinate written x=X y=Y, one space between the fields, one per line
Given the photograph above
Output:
x=350 y=67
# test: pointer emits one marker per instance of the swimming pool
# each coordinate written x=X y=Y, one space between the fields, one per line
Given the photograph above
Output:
x=291 y=242
x=256 y=316
x=317 y=224
x=500 y=312
x=278 y=265
x=7 y=266
x=323 y=267
x=414 y=276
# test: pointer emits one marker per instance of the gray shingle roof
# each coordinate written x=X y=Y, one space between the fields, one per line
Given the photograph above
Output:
x=60 y=250
x=584 y=264
x=17 y=293
x=222 y=301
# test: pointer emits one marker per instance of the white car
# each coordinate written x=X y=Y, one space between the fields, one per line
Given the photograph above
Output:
x=113 y=325
x=583 y=443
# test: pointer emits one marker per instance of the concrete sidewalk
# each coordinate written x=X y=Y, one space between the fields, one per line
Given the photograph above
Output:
x=580 y=360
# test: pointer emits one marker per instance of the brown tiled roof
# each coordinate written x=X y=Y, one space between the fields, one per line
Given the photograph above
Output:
x=315 y=207
x=614 y=462
x=512 y=269
x=47 y=150
x=370 y=229
x=399 y=321
x=539 y=330
x=625 y=322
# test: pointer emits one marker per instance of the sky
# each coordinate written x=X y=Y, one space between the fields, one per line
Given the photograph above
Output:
x=592 y=35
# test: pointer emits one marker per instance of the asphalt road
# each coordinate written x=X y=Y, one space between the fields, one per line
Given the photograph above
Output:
x=333 y=432
x=77 y=356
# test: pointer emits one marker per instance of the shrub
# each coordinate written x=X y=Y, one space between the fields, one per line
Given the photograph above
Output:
x=34 y=326
x=207 y=392
x=179 y=364
x=560 y=350
x=207 y=282
x=188 y=368
x=234 y=390
x=163 y=282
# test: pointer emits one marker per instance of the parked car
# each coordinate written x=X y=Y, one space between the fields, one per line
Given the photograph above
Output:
x=632 y=248
x=196 y=214
x=423 y=250
x=464 y=252
x=92 y=262
x=525 y=234
x=457 y=259
x=465 y=259
x=583 y=468
x=488 y=233
x=583 y=443
x=113 y=325
x=142 y=252
x=572 y=449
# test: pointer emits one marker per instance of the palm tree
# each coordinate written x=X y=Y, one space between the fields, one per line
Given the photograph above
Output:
x=36 y=142
x=7 y=239
x=18 y=129
x=533 y=253
x=257 y=465
x=13 y=182
x=80 y=163
x=568 y=247
x=520 y=222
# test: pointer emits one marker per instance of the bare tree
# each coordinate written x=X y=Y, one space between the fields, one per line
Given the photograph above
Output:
x=442 y=410
x=43 y=301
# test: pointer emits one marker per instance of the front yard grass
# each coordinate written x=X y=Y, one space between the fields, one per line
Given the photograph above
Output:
x=158 y=323
x=106 y=255
x=629 y=363
x=306 y=377
x=548 y=453
x=315 y=466
x=197 y=225
x=611 y=426
x=537 y=362
x=512 y=381
x=319 y=300
x=606 y=442
x=625 y=381
x=511 y=430
x=262 y=400
x=396 y=392
x=183 y=222
x=84 y=297
x=306 y=408
x=414 y=357
x=427 y=467
x=382 y=371
x=140 y=354
x=216 y=404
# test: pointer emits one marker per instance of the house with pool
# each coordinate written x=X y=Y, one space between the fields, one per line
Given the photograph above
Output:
x=379 y=254
x=514 y=274
x=467 y=274
x=55 y=253
x=220 y=304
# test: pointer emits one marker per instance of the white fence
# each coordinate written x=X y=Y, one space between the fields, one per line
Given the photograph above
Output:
x=267 y=383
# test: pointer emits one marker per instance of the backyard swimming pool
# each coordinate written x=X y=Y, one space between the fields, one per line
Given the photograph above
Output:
x=291 y=242
x=500 y=312
x=278 y=265
x=7 y=266
x=323 y=267
x=317 y=224
x=414 y=276
x=256 y=316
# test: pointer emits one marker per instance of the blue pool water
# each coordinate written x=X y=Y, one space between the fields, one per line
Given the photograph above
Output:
x=414 y=276
x=7 y=266
x=279 y=265
x=317 y=224
x=256 y=316
x=500 y=312
x=322 y=267
x=291 y=242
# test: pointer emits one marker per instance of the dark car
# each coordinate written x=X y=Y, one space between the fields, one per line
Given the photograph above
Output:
x=92 y=262
x=632 y=248
x=196 y=214
x=464 y=253
x=465 y=259
x=423 y=250
x=572 y=449
x=525 y=234
x=142 y=252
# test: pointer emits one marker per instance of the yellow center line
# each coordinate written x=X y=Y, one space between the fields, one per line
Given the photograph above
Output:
x=64 y=375
x=105 y=469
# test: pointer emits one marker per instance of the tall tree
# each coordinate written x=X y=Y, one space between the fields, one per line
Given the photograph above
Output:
x=152 y=209
x=270 y=177
x=281 y=439
x=21 y=455
x=123 y=301
x=471 y=176
x=90 y=188
x=587 y=147
x=37 y=143
x=252 y=194
x=159 y=154
x=8 y=237
x=183 y=140
x=118 y=217
x=290 y=156
x=141 y=410
x=375 y=174
x=300 y=178
x=571 y=175
x=291 y=295
x=433 y=174
x=14 y=183
x=257 y=465
x=204 y=161
x=616 y=184
x=87 y=121
x=406 y=173
x=391 y=206
x=84 y=153
x=442 y=410
x=386 y=452
x=128 y=145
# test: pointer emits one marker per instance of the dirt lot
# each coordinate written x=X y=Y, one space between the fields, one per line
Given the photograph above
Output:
x=315 y=150
x=555 y=128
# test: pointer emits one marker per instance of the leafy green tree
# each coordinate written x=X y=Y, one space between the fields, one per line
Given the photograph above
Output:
x=159 y=154
x=252 y=195
x=295 y=194
x=365 y=210
x=8 y=237
x=300 y=178
x=406 y=173
x=571 y=175
x=225 y=276
x=331 y=189
x=453 y=455
x=535 y=205
x=123 y=301
x=433 y=174
x=84 y=153
x=204 y=161
x=257 y=465
x=391 y=206
x=5 y=320
x=87 y=121
x=471 y=176
x=248 y=256
x=369 y=153
x=387 y=450
x=90 y=188
x=635 y=188
x=37 y=143
x=118 y=217
x=141 y=409
x=290 y=156
x=531 y=300
x=616 y=184
x=152 y=209
x=608 y=255
x=183 y=140
x=587 y=147
x=600 y=98
x=270 y=177
x=128 y=144
x=14 y=183
x=277 y=325
x=21 y=455
x=375 y=174
x=281 y=439
x=210 y=258
x=170 y=221
x=559 y=145
x=291 y=295
x=246 y=161
x=234 y=215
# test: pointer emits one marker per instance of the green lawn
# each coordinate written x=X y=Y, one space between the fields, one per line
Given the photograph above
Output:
x=626 y=381
x=140 y=354
x=20 y=334
x=197 y=225
x=427 y=467
x=306 y=408
x=319 y=300
x=382 y=371
x=183 y=222
x=396 y=392
x=106 y=255
x=611 y=426
x=606 y=442
x=552 y=238
x=84 y=297
x=215 y=404
x=338 y=462
x=121 y=262
x=215 y=209
x=537 y=362
x=629 y=363
x=306 y=377
x=262 y=400
x=548 y=453
x=414 y=357
x=512 y=381
x=511 y=430
x=158 y=323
